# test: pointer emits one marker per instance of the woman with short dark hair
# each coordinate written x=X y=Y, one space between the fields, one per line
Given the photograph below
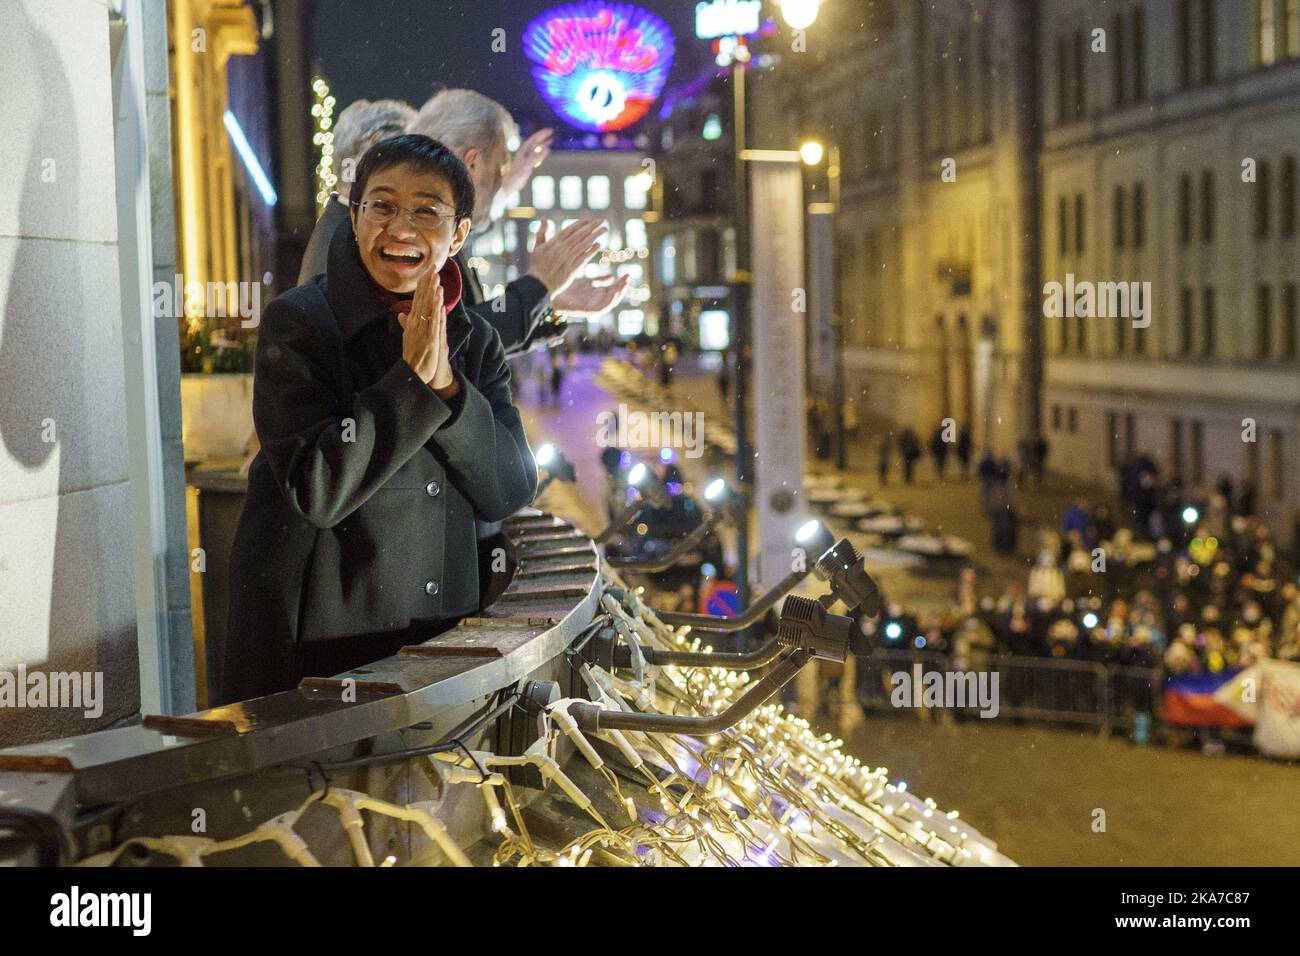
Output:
x=386 y=423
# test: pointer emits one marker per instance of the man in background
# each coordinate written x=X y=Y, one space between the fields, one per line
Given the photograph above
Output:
x=359 y=127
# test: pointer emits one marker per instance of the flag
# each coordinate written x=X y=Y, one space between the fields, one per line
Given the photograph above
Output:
x=1200 y=700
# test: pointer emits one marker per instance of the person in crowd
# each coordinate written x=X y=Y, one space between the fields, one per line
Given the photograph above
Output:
x=909 y=450
x=884 y=454
x=386 y=424
x=939 y=451
x=359 y=126
x=964 y=449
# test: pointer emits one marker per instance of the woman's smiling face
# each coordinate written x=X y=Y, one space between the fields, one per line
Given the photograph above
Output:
x=421 y=231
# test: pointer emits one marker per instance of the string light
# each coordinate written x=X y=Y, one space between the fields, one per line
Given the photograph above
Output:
x=322 y=112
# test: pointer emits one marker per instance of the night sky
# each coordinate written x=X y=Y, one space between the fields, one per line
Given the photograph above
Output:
x=405 y=49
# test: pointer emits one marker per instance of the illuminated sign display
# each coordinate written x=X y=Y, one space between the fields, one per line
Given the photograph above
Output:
x=600 y=65
x=728 y=18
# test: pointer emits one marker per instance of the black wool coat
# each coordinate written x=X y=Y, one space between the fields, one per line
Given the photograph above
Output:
x=358 y=531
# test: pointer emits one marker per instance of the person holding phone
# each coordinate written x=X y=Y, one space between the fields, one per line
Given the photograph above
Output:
x=387 y=428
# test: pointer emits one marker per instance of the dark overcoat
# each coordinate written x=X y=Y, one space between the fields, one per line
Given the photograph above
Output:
x=358 y=531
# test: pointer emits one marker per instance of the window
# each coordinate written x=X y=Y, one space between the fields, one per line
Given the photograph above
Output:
x=543 y=192
x=570 y=192
x=1276 y=465
x=634 y=234
x=1080 y=89
x=667 y=258
x=1183 y=35
x=598 y=192
x=1286 y=196
x=1139 y=54
x=1072 y=420
x=1176 y=448
x=1265 y=32
x=1207 y=205
x=1056 y=418
x=1078 y=223
x=1139 y=216
x=1063 y=224
x=1198 y=452
x=1207 y=322
x=1209 y=40
x=635 y=190
x=1263 y=322
x=1289 y=332
x=1119 y=217
x=1186 y=336
x=1184 y=209
x=1263 y=200
x=1062 y=79
x=1120 y=77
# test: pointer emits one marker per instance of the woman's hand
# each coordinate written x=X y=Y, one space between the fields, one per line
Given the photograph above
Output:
x=424 y=337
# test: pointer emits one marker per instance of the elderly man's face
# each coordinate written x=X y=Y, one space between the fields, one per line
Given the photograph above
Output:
x=488 y=169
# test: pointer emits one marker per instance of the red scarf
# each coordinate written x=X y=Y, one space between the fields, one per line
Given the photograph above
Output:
x=399 y=303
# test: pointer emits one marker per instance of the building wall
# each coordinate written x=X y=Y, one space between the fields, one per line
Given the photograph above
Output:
x=1181 y=390
x=66 y=595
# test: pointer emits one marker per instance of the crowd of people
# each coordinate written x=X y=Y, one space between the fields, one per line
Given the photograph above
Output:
x=1208 y=595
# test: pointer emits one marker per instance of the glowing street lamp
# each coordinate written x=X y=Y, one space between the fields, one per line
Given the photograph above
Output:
x=800 y=14
x=812 y=153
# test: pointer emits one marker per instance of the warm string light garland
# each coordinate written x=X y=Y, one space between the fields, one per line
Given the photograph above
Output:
x=766 y=792
x=322 y=112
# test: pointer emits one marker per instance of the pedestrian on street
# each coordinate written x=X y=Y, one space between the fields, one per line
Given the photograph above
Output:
x=884 y=451
x=724 y=378
x=909 y=449
x=964 y=450
x=939 y=451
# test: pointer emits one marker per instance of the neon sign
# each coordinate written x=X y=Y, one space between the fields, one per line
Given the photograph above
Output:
x=721 y=18
x=599 y=65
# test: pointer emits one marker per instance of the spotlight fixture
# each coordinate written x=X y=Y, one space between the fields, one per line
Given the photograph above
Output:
x=845 y=570
x=649 y=491
x=806 y=628
x=812 y=537
x=553 y=461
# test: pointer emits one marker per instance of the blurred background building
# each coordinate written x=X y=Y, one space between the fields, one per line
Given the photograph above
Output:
x=989 y=148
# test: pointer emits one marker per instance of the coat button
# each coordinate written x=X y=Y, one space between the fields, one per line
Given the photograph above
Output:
x=433 y=488
x=431 y=588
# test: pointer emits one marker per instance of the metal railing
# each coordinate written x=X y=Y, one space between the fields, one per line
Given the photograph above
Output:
x=1085 y=693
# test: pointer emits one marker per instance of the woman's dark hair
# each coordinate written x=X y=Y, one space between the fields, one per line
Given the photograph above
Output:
x=424 y=155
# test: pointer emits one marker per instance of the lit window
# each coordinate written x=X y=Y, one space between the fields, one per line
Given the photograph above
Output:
x=668 y=259
x=543 y=192
x=634 y=234
x=631 y=322
x=598 y=192
x=570 y=192
x=635 y=190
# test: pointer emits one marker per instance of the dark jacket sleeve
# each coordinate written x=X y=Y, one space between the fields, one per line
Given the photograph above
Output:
x=516 y=313
x=329 y=456
x=483 y=445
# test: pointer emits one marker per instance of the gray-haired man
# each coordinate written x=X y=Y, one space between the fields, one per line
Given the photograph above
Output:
x=359 y=126
x=479 y=130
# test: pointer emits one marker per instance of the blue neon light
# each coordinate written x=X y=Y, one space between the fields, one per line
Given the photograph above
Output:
x=250 y=159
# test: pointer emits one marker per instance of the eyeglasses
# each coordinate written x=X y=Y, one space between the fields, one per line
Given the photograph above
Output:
x=381 y=212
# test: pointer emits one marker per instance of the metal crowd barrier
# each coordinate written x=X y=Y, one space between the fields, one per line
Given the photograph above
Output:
x=1086 y=693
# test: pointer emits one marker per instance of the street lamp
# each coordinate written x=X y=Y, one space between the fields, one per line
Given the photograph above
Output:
x=812 y=153
x=800 y=14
